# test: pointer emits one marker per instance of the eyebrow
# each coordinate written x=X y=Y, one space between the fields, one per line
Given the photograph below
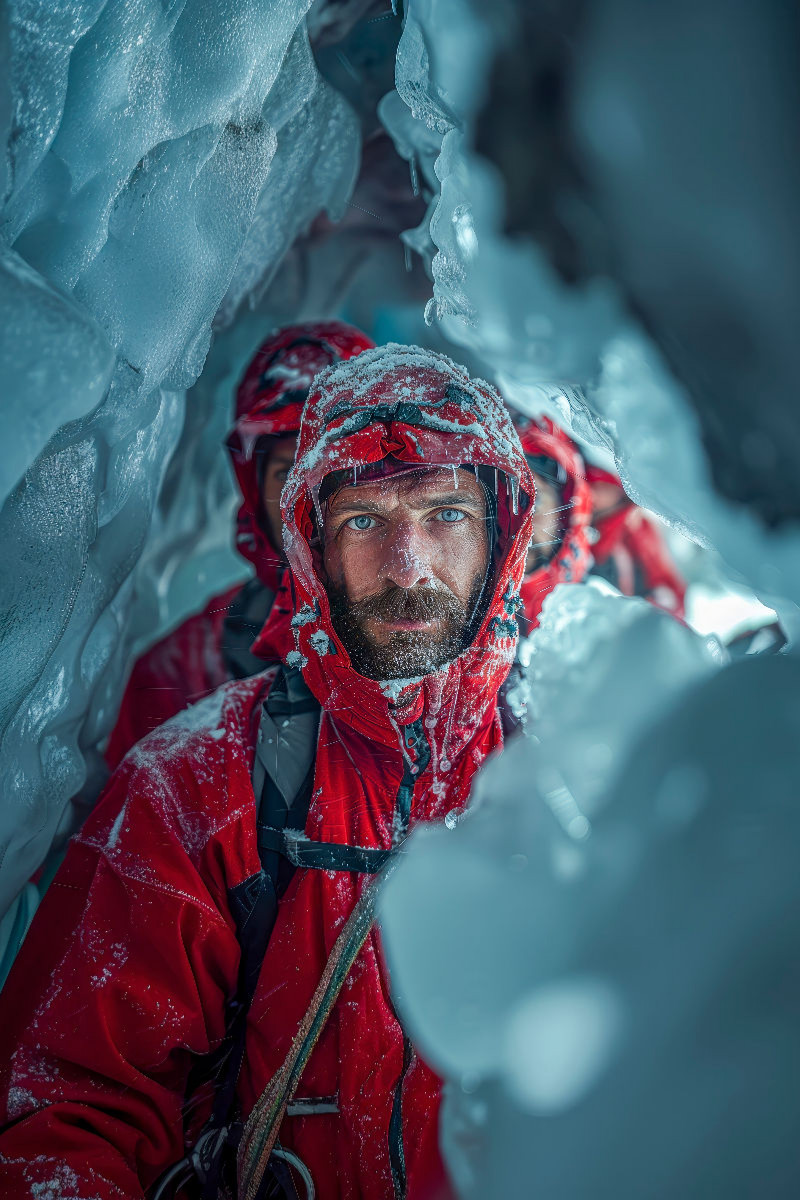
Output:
x=457 y=499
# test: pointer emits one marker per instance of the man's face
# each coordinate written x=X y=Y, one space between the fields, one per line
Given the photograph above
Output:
x=406 y=559
x=548 y=524
x=279 y=462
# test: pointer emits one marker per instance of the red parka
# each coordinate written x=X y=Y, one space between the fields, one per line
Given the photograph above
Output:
x=124 y=977
x=572 y=560
x=630 y=550
x=603 y=532
x=211 y=647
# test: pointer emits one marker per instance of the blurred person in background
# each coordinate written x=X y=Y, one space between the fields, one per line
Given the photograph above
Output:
x=560 y=550
x=585 y=525
x=213 y=646
x=630 y=551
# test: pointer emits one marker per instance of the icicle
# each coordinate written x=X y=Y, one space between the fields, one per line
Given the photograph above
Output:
x=407 y=255
x=512 y=484
x=412 y=163
x=249 y=444
x=318 y=511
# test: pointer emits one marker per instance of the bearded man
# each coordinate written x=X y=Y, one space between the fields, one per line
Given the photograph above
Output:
x=205 y=998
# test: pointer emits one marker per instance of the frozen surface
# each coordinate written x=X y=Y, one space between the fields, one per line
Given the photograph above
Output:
x=602 y=668
x=599 y=956
x=608 y=1002
x=570 y=351
x=156 y=162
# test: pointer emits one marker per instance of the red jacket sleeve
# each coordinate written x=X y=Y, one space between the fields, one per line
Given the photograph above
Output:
x=123 y=978
x=177 y=671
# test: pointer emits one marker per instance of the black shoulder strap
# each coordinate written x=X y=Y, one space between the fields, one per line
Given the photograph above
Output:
x=244 y=621
x=283 y=781
x=283 y=770
x=283 y=774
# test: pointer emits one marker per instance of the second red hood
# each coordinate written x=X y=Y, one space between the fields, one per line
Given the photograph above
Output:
x=572 y=560
x=419 y=407
x=269 y=403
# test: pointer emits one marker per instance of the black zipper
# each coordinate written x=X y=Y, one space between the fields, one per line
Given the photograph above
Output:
x=415 y=760
x=397 y=1154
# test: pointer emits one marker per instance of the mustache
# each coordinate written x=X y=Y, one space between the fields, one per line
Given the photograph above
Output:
x=408 y=604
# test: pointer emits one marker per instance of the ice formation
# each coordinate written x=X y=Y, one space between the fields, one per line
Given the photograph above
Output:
x=599 y=983
x=573 y=352
x=157 y=161
x=611 y=1007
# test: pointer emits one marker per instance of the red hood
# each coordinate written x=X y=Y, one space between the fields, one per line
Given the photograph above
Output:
x=269 y=403
x=573 y=559
x=620 y=506
x=419 y=407
x=631 y=549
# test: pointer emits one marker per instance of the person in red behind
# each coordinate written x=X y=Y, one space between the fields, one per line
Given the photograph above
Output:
x=560 y=551
x=213 y=646
x=232 y=854
x=630 y=550
x=585 y=525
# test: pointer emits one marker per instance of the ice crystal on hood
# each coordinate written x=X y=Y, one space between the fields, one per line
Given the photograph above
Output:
x=320 y=641
x=393 y=688
x=305 y=616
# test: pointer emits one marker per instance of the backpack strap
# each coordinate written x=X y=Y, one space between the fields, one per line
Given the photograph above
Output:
x=283 y=780
x=283 y=771
x=243 y=622
x=300 y=851
x=257 y=1144
x=283 y=774
x=283 y=777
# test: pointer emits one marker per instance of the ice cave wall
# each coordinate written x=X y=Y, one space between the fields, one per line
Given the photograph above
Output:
x=606 y=983
x=157 y=161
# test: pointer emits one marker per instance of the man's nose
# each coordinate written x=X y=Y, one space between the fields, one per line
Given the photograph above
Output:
x=405 y=562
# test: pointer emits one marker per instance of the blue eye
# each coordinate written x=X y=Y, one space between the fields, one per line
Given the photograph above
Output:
x=361 y=522
x=450 y=515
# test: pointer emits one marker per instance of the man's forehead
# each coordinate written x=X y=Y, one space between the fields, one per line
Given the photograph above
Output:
x=416 y=485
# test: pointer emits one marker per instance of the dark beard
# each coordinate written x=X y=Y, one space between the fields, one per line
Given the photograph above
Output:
x=407 y=654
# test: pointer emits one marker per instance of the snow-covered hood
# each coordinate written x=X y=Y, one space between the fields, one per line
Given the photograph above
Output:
x=269 y=403
x=418 y=407
x=572 y=560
